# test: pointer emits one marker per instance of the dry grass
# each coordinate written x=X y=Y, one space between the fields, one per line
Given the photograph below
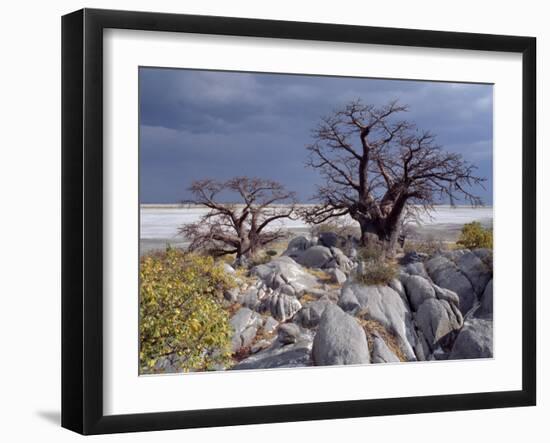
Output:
x=307 y=297
x=372 y=326
x=321 y=275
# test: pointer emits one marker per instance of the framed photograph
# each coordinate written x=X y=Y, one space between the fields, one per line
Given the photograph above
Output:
x=269 y=221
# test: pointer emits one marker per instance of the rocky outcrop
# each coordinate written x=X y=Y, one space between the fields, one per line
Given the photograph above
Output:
x=437 y=320
x=245 y=324
x=340 y=340
x=284 y=272
x=310 y=315
x=381 y=353
x=485 y=308
x=445 y=273
x=281 y=306
x=475 y=340
x=418 y=290
x=383 y=304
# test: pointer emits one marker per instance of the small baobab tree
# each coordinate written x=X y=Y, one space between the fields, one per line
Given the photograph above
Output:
x=244 y=226
x=378 y=167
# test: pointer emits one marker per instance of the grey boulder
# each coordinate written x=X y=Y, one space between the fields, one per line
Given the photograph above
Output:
x=387 y=307
x=486 y=302
x=418 y=290
x=245 y=324
x=445 y=273
x=381 y=353
x=475 y=340
x=340 y=340
x=310 y=315
x=281 y=306
x=282 y=272
x=437 y=320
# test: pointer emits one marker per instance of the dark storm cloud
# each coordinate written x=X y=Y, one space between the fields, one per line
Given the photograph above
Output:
x=196 y=124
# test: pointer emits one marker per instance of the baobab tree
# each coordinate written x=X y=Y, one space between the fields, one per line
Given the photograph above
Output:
x=242 y=227
x=378 y=167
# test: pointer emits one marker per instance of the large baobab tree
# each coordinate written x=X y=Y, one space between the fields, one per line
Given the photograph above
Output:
x=377 y=167
x=242 y=227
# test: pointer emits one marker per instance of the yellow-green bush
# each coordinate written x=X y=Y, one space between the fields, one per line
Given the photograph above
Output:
x=473 y=235
x=181 y=313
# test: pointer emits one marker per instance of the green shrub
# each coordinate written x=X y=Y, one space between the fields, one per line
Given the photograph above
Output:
x=377 y=272
x=473 y=236
x=181 y=313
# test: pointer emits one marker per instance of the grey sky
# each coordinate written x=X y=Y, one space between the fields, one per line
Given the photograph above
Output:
x=212 y=124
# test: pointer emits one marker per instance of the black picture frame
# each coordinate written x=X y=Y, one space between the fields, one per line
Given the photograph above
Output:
x=82 y=218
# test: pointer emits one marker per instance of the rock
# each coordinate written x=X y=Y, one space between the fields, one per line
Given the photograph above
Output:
x=330 y=239
x=340 y=340
x=486 y=303
x=310 y=315
x=259 y=345
x=436 y=319
x=278 y=355
x=250 y=298
x=381 y=353
x=486 y=256
x=300 y=243
x=398 y=287
x=228 y=268
x=475 y=340
x=315 y=257
x=270 y=324
x=413 y=257
x=446 y=274
x=231 y=295
x=383 y=304
x=416 y=268
x=340 y=260
x=283 y=271
x=447 y=294
x=281 y=306
x=418 y=290
x=245 y=324
x=288 y=333
x=474 y=269
x=337 y=276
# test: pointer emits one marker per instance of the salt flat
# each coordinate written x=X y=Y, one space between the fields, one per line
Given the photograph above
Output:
x=159 y=223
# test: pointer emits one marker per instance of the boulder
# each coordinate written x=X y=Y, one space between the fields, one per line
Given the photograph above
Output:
x=228 y=268
x=331 y=239
x=315 y=257
x=337 y=276
x=477 y=272
x=418 y=290
x=486 y=256
x=270 y=324
x=282 y=271
x=383 y=304
x=437 y=320
x=250 y=298
x=340 y=340
x=475 y=340
x=310 y=315
x=245 y=324
x=416 y=268
x=381 y=353
x=278 y=355
x=413 y=257
x=281 y=306
x=446 y=274
x=340 y=261
x=447 y=294
x=486 y=303
x=288 y=333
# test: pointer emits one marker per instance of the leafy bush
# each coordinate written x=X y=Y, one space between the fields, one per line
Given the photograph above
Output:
x=181 y=315
x=377 y=272
x=473 y=236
